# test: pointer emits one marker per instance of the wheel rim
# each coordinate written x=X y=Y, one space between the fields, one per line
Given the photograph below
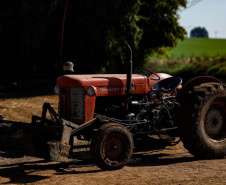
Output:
x=114 y=148
x=215 y=121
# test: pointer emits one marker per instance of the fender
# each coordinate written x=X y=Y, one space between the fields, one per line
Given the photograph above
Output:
x=194 y=82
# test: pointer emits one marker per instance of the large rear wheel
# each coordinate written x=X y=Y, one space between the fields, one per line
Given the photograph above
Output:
x=203 y=121
x=112 y=147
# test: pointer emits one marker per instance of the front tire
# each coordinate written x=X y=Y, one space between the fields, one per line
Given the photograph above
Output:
x=112 y=147
x=203 y=121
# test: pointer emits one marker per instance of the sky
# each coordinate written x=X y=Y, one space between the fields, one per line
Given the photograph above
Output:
x=210 y=14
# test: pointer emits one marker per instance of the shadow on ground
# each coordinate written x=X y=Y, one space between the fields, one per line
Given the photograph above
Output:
x=24 y=172
x=159 y=159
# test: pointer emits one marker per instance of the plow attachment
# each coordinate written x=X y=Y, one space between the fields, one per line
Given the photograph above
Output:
x=44 y=138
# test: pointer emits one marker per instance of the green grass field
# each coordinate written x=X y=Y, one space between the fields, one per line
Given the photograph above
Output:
x=193 y=57
x=197 y=47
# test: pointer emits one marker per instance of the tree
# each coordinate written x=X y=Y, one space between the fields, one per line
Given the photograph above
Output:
x=199 y=32
x=30 y=39
x=96 y=31
x=38 y=36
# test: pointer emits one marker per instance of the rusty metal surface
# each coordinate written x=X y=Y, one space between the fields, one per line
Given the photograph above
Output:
x=66 y=134
x=58 y=152
x=46 y=138
x=70 y=124
x=83 y=126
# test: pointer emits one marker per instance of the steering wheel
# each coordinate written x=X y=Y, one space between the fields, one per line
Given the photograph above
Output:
x=140 y=69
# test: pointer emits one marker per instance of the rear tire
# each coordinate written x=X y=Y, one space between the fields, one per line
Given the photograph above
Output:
x=112 y=147
x=202 y=121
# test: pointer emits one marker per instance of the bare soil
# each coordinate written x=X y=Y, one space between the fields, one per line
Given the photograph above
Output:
x=173 y=165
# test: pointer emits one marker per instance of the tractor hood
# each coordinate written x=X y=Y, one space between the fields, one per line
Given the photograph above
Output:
x=109 y=83
x=98 y=80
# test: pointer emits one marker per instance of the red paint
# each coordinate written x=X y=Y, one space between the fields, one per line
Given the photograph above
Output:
x=104 y=85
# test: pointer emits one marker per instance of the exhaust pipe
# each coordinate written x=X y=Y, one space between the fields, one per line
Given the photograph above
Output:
x=129 y=73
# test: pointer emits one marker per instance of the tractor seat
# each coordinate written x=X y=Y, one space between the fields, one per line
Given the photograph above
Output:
x=167 y=85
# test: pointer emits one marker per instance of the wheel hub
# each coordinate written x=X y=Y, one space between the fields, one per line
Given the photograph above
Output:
x=114 y=147
x=214 y=121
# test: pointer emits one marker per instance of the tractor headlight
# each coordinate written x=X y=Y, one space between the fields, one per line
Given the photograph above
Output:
x=56 y=89
x=90 y=91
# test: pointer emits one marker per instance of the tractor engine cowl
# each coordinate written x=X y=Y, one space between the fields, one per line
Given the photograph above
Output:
x=78 y=93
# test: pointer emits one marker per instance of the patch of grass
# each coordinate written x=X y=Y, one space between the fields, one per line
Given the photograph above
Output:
x=190 y=68
x=197 y=47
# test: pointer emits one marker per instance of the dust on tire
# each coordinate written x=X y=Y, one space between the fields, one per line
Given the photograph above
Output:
x=203 y=121
x=112 y=147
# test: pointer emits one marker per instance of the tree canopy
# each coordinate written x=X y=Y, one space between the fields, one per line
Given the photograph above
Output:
x=40 y=35
x=96 y=32
x=199 y=32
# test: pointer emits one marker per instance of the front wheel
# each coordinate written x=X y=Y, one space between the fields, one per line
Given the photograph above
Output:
x=112 y=147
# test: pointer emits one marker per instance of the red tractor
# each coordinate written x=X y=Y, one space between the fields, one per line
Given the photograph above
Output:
x=118 y=112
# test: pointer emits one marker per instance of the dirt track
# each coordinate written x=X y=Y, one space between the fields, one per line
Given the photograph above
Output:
x=173 y=165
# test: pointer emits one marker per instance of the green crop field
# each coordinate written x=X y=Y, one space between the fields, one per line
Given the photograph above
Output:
x=198 y=47
x=193 y=57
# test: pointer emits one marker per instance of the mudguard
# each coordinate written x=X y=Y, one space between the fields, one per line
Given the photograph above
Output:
x=194 y=82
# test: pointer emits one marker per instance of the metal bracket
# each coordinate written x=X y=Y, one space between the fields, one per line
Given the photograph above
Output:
x=83 y=126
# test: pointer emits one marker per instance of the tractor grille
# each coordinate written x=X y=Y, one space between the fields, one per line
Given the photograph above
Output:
x=77 y=103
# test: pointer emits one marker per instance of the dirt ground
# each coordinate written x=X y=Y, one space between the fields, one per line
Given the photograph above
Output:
x=173 y=165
